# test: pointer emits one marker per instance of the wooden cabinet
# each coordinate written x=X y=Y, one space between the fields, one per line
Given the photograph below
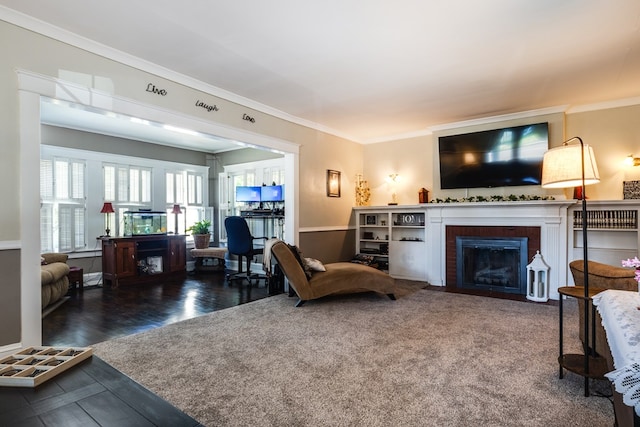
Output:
x=177 y=258
x=127 y=260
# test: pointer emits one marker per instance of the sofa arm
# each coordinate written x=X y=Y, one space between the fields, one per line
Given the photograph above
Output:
x=51 y=257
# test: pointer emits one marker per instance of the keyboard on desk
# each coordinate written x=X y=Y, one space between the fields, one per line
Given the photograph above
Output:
x=256 y=212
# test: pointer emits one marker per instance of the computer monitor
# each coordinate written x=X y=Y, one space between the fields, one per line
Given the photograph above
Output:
x=271 y=193
x=247 y=194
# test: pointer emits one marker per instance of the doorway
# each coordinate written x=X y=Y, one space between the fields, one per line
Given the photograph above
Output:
x=32 y=88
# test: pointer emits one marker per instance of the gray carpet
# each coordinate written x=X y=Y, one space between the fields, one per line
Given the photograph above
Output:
x=428 y=359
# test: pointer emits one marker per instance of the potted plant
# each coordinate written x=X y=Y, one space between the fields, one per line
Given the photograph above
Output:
x=200 y=232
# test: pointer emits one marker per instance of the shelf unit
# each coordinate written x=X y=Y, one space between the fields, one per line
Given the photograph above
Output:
x=395 y=238
x=612 y=228
x=373 y=237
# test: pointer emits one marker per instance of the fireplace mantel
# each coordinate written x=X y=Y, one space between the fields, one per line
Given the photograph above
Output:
x=610 y=240
x=549 y=215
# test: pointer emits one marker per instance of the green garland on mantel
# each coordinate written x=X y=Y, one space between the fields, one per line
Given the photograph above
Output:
x=496 y=198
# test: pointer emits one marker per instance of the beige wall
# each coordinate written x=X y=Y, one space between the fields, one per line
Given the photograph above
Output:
x=412 y=159
x=327 y=152
x=10 y=313
x=315 y=245
x=614 y=133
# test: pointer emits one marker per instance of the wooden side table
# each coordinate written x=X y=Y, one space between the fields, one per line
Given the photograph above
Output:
x=586 y=365
x=76 y=278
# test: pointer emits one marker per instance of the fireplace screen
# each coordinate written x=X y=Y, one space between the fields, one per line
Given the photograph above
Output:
x=493 y=264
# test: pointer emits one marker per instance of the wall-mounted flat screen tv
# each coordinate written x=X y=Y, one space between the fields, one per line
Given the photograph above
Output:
x=248 y=194
x=271 y=193
x=494 y=158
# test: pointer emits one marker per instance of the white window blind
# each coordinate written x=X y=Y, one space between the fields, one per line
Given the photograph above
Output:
x=109 y=179
x=63 y=210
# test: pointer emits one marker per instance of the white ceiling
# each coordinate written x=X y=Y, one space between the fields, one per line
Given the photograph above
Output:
x=377 y=69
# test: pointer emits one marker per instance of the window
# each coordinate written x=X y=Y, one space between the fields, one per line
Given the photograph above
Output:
x=127 y=184
x=194 y=189
x=128 y=188
x=181 y=183
x=63 y=204
x=75 y=183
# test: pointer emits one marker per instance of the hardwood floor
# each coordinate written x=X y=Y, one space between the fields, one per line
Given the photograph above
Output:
x=95 y=394
x=103 y=313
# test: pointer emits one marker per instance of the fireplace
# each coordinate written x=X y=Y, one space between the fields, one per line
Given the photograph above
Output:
x=492 y=264
x=490 y=236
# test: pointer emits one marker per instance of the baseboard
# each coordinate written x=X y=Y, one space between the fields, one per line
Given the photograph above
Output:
x=51 y=307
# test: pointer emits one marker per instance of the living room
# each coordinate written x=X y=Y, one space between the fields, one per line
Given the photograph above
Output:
x=323 y=226
x=51 y=63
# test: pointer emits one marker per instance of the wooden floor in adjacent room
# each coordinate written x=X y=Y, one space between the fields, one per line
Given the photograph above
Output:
x=103 y=313
x=94 y=393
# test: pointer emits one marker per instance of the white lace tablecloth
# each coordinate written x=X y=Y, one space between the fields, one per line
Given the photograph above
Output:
x=620 y=313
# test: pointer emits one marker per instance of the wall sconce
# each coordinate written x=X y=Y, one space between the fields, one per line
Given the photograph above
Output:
x=177 y=210
x=107 y=208
x=632 y=161
x=393 y=179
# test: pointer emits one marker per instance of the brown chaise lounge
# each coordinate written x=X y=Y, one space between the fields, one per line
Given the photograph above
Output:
x=340 y=277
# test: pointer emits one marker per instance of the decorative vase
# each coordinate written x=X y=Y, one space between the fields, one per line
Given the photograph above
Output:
x=201 y=240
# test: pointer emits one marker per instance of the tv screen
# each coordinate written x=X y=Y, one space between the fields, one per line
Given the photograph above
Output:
x=271 y=193
x=494 y=158
x=247 y=194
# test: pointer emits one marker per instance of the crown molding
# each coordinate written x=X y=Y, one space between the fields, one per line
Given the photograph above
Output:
x=617 y=103
x=32 y=24
x=501 y=118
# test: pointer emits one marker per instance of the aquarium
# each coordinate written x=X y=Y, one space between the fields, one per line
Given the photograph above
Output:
x=143 y=223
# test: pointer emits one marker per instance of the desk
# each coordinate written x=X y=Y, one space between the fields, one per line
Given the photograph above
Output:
x=585 y=365
x=265 y=225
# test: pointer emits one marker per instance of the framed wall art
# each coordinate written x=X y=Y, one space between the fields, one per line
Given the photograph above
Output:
x=631 y=189
x=333 y=183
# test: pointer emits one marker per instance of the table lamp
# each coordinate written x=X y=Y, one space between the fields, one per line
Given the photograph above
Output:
x=107 y=208
x=177 y=210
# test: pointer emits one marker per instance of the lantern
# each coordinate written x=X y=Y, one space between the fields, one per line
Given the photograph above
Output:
x=538 y=279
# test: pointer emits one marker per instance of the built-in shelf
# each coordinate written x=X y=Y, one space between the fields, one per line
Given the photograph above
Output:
x=609 y=219
x=612 y=231
x=395 y=238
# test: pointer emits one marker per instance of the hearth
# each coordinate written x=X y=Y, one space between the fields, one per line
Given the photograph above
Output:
x=492 y=264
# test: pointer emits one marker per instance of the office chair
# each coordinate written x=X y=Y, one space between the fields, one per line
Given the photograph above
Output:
x=240 y=242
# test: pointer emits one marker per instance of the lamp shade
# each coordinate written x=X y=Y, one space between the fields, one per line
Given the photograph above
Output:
x=562 y=168
x=107 y=207
x=176 y=209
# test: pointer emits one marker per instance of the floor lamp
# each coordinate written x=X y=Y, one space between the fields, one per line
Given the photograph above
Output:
x=574 y=166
